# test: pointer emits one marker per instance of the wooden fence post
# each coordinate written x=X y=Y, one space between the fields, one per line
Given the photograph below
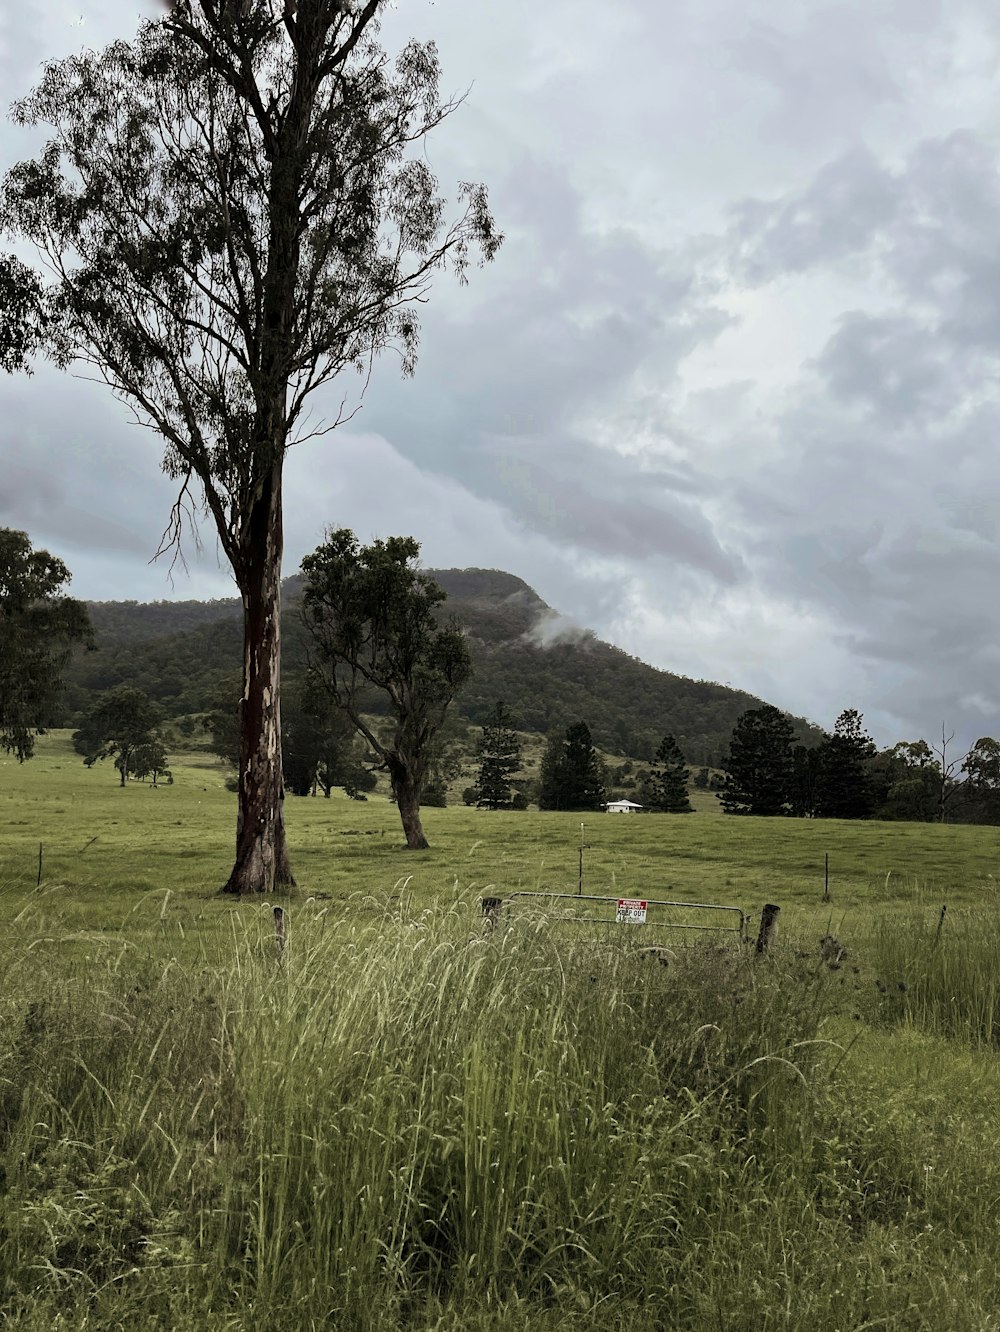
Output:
x=768 y=927
x=279 y=929
x=38 y=881
x=940 y=926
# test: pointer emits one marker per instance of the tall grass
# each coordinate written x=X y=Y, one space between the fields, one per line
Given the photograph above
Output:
x=404 y=1124
x=942 y=972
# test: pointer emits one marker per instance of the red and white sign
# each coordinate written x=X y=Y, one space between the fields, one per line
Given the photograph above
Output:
x=631 y=911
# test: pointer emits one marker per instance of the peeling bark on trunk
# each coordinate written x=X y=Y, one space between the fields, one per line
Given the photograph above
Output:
x=261 y=854
x=407 y=796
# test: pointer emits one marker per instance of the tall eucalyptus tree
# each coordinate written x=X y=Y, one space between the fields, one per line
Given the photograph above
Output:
x=232 y=210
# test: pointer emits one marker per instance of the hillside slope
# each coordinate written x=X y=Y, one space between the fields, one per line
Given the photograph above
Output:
x=548 y=671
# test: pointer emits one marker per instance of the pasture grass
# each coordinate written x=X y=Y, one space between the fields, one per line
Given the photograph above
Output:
x=117 y=842
x=404 y=1122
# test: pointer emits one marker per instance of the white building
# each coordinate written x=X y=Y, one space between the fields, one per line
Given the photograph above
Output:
x=622 y=807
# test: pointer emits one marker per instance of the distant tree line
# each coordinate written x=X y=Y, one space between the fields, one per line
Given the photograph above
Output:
x=377 y=671
x=182 y=653
x=846 y=776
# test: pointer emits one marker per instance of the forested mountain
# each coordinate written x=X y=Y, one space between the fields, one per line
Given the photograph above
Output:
x=548 y=672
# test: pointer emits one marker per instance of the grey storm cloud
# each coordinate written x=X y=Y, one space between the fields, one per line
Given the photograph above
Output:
x=894 y=366
x=885 y=447
x=852 y=76
x=506 y=396
x=596 y=499
x=928 y=227
x=837 y=214
x=730 y=392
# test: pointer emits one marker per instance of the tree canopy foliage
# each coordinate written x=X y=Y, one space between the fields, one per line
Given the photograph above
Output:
x=38 y=626
x=122 y=723
x=320 y=745
x=373 y=626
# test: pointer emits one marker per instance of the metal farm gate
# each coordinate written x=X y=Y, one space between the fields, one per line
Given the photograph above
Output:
x=613 y=914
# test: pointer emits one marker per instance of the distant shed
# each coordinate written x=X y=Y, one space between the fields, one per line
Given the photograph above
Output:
x=622 y=807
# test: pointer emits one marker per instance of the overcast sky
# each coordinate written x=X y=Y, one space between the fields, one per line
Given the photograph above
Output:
x=729 y=394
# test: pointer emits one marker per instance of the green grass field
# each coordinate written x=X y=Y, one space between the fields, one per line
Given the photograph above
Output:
x=103 y=844
x=407 y=1123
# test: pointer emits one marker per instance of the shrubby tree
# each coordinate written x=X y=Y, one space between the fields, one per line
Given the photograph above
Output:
x=843 y=789
x=150 y=760
x=222 y=723
x=982 y=779
x=906 y=781
x=319 y=746
x=666 y=788
x=759 y=764
x=38 y=626
x=231 y=210
x=571 y=771
x=448 y=754
x=120 y=724
x=373 y=625
x=499 y=752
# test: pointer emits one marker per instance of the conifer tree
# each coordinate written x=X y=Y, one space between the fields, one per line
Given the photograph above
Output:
x=666 y=790
x=843 y=789
x=805 y=775
x=759 y=764
x=499 y=760
x=571 y=776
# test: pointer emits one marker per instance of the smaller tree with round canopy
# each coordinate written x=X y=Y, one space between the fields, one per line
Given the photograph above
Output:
x=121 y=723
x=377 y=642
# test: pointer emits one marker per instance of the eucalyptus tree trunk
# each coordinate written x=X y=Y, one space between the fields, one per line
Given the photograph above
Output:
x=406 y=792
x=261 y=853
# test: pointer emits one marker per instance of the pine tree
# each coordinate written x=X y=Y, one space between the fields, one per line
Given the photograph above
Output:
x=805 y=775
x=759 y=765
x=500 y=759
x=571 y=776
x=550 y=775
x=667 y=790
x=843 y=788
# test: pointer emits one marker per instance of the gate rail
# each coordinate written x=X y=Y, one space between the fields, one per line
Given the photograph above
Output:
x=493 y=906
